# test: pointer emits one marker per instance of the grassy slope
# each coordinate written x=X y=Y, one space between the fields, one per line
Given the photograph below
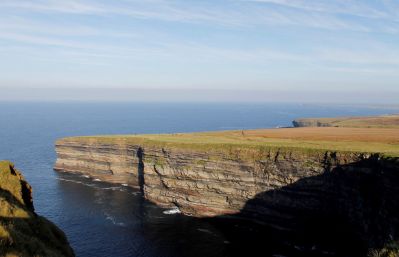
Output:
x=372 y=140
x=384 y=121
x=22 y=232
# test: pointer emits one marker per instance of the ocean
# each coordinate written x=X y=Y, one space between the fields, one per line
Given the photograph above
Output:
x=102 y=219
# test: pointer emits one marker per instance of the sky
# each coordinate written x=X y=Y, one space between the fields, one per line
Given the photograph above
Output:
x=186 y=50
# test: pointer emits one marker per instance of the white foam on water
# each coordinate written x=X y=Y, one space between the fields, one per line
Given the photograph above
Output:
x=73 y=181
x=204 y=230
x=121 y=224
x=172 y=211
x=112 y=219
x=112 y=188
x=79 y=182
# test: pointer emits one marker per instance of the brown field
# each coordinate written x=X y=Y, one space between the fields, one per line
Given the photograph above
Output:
x=381 y=135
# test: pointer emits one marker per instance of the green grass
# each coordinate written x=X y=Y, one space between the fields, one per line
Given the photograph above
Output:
x=22 y=232
x=10 y=192
x=231 y=142
x=390 y=250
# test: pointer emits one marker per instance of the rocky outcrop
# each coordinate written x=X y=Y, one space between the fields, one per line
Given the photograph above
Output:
x=22 y=231
x=285 y=188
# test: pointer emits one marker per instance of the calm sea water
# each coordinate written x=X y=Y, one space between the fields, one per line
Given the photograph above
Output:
x=101 y=219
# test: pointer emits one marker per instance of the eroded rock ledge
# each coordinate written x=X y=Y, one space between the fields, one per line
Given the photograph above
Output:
x=22 y=232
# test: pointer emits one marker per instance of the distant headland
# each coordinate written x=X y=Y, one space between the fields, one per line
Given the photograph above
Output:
x=383 y=121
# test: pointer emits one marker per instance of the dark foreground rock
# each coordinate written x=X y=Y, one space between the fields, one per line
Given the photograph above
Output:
x=23 y=232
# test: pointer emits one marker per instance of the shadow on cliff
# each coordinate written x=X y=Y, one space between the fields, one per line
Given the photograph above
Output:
x=24 y=233
x=140 y=170
x=343 y=212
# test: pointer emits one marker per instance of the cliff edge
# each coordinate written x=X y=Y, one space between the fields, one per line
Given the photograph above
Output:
x=318 y=182
x=22 y=232
x=383 y=121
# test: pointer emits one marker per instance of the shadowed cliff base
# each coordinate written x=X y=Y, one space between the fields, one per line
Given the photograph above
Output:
x=344 y=212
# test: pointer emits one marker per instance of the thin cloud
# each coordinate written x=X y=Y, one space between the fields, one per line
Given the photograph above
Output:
x=230 y=43
x=26 y=26
x=381 y=56
x=355 y=8
x=70 y=6
x=239 y=13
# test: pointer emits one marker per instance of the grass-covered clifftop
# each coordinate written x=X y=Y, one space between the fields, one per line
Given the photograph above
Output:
x=383 y=121
x=22 y=232
x=269 y=176
x=312 y=139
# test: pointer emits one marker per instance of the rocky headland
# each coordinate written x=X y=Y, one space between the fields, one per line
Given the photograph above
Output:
x=383 y=121
x=23 y=233
x=290 y=179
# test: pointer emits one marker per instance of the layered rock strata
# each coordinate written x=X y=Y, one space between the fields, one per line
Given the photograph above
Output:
x=285 y=188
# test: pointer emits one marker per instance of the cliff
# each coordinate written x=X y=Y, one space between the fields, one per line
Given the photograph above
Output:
x=383 y=121
x=236 y=174
x=22 y=232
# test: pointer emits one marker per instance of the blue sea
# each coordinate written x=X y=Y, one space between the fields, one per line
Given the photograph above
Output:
x=102 y=219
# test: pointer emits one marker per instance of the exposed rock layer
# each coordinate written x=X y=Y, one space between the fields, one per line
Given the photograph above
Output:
x=289 y=189
x=22 y=232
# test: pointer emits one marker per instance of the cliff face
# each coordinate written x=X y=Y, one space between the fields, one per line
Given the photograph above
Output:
x=289 y=189
x=111 y=162
x=22 y=232
x=199 y=183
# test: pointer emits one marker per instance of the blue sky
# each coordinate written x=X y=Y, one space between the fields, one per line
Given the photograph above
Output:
x=260 y=46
